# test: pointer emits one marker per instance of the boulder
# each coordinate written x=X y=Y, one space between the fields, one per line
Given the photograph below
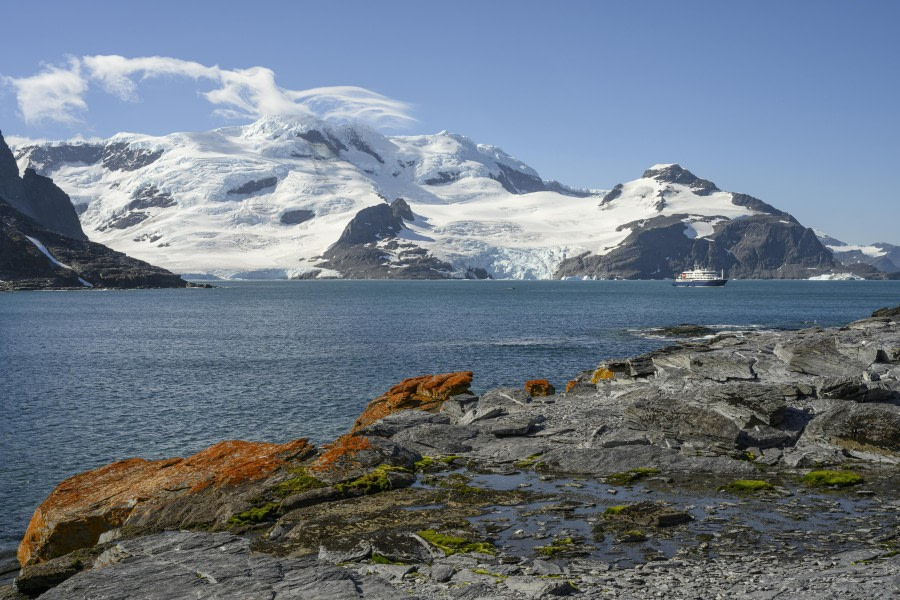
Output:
x=482 y=414
x=535 y=587
x=203 y=489
x=438 y=439
x=722 y=366
x=539 y=387
x=397 y=422
x=682 y=419
x=817 y=355
x=650 y=514
x=855 y=389
x=868 y=427
x=515 y=425
x=426 y=393
x=505 y=397
x=887 y=312
x=352 y=456
x=457 y=406
x=764 y=403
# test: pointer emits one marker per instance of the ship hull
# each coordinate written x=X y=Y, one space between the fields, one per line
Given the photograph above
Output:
x=706 y=283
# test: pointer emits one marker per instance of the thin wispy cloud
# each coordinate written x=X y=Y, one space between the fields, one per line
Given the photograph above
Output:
x=58 y=92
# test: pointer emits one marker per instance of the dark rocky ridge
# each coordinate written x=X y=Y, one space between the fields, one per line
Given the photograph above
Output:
x=253 y=186
x=677 y=174
x=121 y=156
x=35 y=207
x=317 y=138
x=149 y=196
x=368 y=248
x=663 y=431
x=24 y=267
x=115 y=156
x=517 y=182
x=50 y=206
x=758 y=247
x=37 y=197
x=295 y=217
x=888 y=262
x=772 y=245
x=47 y=158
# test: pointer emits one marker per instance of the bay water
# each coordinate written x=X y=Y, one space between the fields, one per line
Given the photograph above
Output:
x=90 y=377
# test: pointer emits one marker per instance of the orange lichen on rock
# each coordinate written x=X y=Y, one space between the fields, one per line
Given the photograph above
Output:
x=539 y=387
x=341 y=454
x=86 y=505
x=602 y=374
x=571 y=384
x=426 y=392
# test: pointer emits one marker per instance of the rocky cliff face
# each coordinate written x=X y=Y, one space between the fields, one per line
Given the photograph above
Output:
x=369 y=248
x=37 y=197
x=32 y=257
x=43 y=246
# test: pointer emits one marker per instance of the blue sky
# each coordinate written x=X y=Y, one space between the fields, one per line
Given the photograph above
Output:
x=793 y=102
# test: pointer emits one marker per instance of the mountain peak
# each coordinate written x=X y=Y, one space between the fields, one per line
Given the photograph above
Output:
x=670 y=173
x=675 y=173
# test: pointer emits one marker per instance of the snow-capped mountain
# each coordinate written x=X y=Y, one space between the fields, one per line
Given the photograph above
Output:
x=671 y=219
x=882 y=256
x=286 y=197
x=269 y=198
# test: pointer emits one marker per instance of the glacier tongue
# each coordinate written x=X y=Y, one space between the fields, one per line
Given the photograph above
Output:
x=269 y=198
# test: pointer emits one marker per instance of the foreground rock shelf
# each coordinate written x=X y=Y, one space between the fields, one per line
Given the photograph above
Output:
x=757 y=465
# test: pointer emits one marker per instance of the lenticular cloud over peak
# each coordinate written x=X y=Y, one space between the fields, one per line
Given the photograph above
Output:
x=57 y=93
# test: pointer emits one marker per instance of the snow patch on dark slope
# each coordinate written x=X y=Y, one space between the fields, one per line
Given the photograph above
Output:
x=882 y=256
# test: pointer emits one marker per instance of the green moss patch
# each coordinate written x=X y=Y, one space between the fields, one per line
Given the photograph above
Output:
x=527 y=463
x=556 y=547
x=424 y=464
x=379 y=559
x=632 y=536
x=457 y=483
x=748 y=486
x=452 y=545
x=257 y=514
x=373 y=482
x=497 y=576
x=614 y=510
x=301 y=482
x=449 y=458
x=832 y=478
x=632 y=475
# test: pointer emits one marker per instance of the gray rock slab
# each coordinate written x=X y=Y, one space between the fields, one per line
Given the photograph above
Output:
x=535 y=588
x=399 y=421
x=175 y=565
x=511 y=426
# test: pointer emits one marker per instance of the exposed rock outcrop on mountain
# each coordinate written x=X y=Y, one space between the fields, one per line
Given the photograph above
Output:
x=369 y=248
x=37 y=197
x=33 y=258
x=706 y=441
x=43 y=246
x=765 y=244
x=756 y=247
x=880 y=256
